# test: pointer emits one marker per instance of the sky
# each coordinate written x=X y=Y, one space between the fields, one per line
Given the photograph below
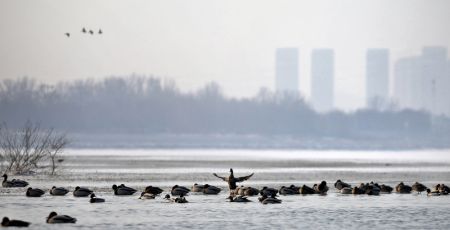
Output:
x=230 y=42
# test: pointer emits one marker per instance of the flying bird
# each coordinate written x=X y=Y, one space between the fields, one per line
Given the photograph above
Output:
x=83 y=30
x=100 y=31
x=91 y=32
x=67 y=34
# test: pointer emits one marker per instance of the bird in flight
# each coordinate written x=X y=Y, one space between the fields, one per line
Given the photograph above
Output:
x=83 y=30
x=91 y=32
x=67 y=34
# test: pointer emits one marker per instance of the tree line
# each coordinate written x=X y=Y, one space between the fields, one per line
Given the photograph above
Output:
x=148 y=105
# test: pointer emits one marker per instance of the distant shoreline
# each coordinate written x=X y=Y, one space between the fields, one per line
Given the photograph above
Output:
x=240 y=141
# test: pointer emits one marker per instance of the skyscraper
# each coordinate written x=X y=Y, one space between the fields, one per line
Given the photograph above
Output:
x=286 y=70
x=377 y=77
x=434 y=68
x=322 y=79
x=423 y=82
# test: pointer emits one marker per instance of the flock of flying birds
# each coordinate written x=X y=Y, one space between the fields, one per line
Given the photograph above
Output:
x=237 y=194
x=85 y=31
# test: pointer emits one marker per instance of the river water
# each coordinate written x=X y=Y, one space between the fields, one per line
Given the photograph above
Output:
x=99 y=169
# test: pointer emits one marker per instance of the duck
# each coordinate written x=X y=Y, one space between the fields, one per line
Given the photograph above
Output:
x=54 y=218
x=357 y=191
x=231 y=180
x=6 y=222
x=295 y=188
x=211 y=190
x=239 y=199
x=443 y=189
x=95 y=199
x=418 y=187
x=197 y=188
x=58 y=191
x=179 y=190
x=340 y=185
x=250 y=191
x=433 y=193
x=402 y=188
x=270 y=200
x=268 y=191
x=322 y=188
x=239 y=191
x=372 y=190
x=81 y=192
x=147 y=196
x=180 y=199
x=123 y=190
x=286 y=191
x=34 y=192
x=13 y=183
x=385 y=188
x=346 y=190
x=306 y=190
x=153 y=190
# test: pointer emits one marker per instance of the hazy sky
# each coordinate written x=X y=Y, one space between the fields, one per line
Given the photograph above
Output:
x=231 y=42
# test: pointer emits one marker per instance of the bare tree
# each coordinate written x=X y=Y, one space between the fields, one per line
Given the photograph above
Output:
x=22 y=150
x=57 y=145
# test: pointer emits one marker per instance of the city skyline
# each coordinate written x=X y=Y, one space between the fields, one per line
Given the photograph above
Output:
x=229 y=43
x=418 y=82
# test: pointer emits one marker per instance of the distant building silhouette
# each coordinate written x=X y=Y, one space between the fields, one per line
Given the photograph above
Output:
x=286 y=70
x=423 y=82
x=377 y=77
x=322 y=79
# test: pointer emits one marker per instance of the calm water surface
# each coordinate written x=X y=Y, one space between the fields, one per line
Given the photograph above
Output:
x=99 y=169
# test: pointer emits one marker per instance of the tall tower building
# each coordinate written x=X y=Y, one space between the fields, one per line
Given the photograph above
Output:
x=286 y=70
x=423 y=82
x=433 y=82
x=377 y=77
x=322 y=79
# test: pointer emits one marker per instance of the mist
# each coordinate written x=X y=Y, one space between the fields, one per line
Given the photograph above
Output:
x=149 y=106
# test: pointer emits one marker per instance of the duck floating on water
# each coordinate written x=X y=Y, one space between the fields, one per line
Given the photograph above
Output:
x=402 y=188
x=306 y=190
x=211 y=190
x=180 y=199
x=34 y=192
x=58 y=191
x=54 y=218
x=6 y=222
x=153 y=190
x=197 y=188
x=95 y=199
x=433 y=193
x=287 y=191
x=418 y=187
x=13 y=183
x=179 y=190
x=264 y=199
x=322 y=188
x=147 y=196
x=268 y=191
x=123 y=190
x=81 y=192
x=340 y=185
x=239 y=199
